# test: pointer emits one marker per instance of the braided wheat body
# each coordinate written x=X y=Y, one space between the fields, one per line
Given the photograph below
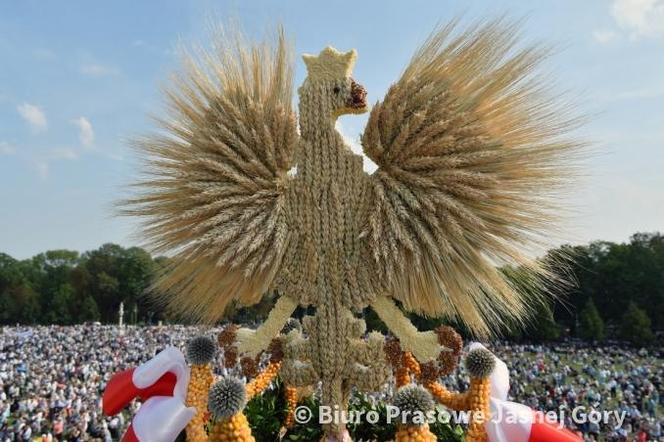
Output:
x=470 y=152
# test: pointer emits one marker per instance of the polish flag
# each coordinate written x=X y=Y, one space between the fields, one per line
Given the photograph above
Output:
x=513 y=422
x=161 y=383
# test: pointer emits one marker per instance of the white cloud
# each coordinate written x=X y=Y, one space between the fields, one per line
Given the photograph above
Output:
x=98 y=70
x=33 y=115
x=85 y=132
x=604 y=36
x=640 y=18
x=6 y=148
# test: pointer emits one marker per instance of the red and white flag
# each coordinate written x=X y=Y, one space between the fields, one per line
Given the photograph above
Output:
x=161 y=383
x=513 y=422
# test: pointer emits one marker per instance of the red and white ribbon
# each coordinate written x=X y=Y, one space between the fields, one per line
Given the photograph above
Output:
x=513 y=422
x=161 y=383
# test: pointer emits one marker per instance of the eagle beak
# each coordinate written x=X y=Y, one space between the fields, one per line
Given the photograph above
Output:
x=357 y=102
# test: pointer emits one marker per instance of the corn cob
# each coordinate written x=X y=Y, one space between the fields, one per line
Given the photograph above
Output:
x=411 y=363
x=475 y=400
x=291 y=400
x=233 y=429
x=197 y=396
x=454 y=401
x=201 y=351
x=402 y=377
x=260 y=382
x=478 y=403
x=407 y=364
x=415 y=433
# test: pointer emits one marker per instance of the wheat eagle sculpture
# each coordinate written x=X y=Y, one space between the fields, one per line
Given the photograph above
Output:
x=470 y=150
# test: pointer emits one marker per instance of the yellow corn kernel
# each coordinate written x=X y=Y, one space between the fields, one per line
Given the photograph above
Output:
x=414 y=433
x=197 y=395
x=291 y=401
x=411 y=363
x=260 y=382
x=475 y=400
x=402 y=377
x=233 y=429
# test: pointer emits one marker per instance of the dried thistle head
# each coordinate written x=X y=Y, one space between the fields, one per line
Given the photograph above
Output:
x=201 y=350
x=227 y=397
x=413 y=402
x=480 y=363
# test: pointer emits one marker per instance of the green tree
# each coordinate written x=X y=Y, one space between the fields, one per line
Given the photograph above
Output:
x=614 y=275
x=50 y=275
x=60 y=308
x=10 y=277
x=543 y=327
x=27 y=308
x=19 y=303
x=591 y=323
x=6 y=308
x=89 y=310
x=138 y=271
x=61 y=286
x=635 y=326
x=113 y=274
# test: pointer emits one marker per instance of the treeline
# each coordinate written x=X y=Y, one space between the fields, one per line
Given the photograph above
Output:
x=65 y=287
x=612 y=291
x=618 y=290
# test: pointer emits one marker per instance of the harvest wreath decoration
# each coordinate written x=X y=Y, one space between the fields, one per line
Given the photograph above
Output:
x=471 y=151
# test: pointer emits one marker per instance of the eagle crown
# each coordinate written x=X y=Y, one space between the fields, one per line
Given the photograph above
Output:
x=329 y=90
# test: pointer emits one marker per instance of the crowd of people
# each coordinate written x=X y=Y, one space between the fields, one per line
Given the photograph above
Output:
x=608 y=393
x=52 y=377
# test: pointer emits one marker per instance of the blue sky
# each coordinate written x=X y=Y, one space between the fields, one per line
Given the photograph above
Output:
x=78 y=78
